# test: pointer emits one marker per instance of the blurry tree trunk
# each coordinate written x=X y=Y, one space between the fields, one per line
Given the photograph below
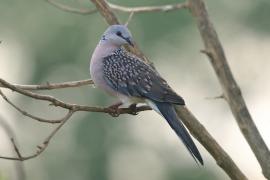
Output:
x=231 y=91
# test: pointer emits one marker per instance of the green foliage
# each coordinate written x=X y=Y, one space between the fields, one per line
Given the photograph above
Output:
x=258 y=17
x=2 y=176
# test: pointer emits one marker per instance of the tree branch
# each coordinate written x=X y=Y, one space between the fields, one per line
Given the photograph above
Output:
x=71 y=9
x=28 y=114
x=129 y=18
x=69 y=106
x=72 y=108
x=49 y=86
x=197 y=130
x=141 y=9
x=144 y=9
x=42 y=146
x=210 y=144
x=16 y=148
x=231 y=89
x=111 y=19
x=19 y=166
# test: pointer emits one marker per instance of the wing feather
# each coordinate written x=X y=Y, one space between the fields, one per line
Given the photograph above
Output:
x=130 y=76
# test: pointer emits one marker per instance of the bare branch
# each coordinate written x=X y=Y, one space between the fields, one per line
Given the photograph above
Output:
x=216 y=97
x=28 y=114
x=57 y=102
x=110 y=18
x=71 y=107
x=210 y=144
x=19 y=166
x=198 y=131
x=71 y=9
x=16 y=148
x=143 y=9
x=42 y=146
x=129 y=18
x=49 y=86
x=231 y=89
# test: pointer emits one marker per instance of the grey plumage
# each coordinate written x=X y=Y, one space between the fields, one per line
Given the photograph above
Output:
x=130 y=76
x=168 y=112
x=125 y=76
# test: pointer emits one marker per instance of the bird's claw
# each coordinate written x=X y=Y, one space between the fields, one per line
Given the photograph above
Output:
x=114 y=114
x=133 y=109
x=114 y=111
x=134 y=113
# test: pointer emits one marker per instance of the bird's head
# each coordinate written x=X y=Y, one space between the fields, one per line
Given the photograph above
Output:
x=118 y=35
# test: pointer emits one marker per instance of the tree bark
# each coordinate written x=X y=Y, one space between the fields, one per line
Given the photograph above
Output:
x=231 y=90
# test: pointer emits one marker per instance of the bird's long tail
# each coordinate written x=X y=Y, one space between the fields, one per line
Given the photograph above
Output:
x=168 y=112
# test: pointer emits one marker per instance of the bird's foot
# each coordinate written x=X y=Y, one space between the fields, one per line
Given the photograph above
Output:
x=133 y=109
x=114 y=109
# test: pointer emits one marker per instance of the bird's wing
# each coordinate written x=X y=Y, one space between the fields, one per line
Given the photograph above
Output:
x=129 y=75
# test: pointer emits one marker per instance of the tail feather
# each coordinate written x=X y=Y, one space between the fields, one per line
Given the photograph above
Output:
x=168 y=112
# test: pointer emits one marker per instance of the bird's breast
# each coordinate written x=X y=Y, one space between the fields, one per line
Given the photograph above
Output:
x=97 y=66
x=97 y=75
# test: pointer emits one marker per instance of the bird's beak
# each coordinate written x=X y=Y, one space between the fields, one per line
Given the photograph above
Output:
x=129 y=41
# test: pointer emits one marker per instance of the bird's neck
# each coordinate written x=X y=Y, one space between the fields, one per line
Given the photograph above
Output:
x=104 y=49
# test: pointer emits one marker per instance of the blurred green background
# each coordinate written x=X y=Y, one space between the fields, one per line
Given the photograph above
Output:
x=41 y=43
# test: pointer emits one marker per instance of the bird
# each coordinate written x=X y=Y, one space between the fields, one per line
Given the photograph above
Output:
x=127 y=77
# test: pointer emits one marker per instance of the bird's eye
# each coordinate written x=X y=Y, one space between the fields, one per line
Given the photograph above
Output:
x=118 y=33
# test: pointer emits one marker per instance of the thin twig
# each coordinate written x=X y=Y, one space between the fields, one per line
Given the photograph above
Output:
x=111 y=18
x=57 y=102
x=19 y=166
x=129 y=18
x=143 y=9
x=16 y=148
x=216 y=97
x=43 y=145
x=52 y=121
x=50 y=86
x=71 y=9
x=71 y=107
x=232 y=92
